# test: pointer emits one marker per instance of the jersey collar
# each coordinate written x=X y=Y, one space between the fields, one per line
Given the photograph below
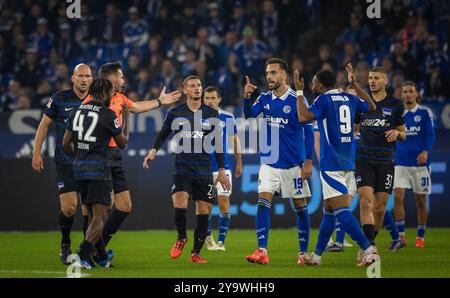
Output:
x=283 y=97
x=332 y=91
x=414 y=109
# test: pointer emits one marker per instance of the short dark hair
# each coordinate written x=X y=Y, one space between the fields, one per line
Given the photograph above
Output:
x=99 y=88
x=410 y=83
x=379 y=70
x=191 y=77
x=212 y=89
x=326 y=78
x=108 y=69
x=283 y=64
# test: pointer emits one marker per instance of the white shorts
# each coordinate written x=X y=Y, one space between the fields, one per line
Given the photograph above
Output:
x=220 y=190
x=288 y=182
x=337 y=183
x=416 y=178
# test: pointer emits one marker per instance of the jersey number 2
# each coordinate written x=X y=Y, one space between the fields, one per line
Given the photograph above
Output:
x=78 y=126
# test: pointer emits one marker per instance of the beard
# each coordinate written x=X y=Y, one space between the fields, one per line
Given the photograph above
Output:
x=275 y=86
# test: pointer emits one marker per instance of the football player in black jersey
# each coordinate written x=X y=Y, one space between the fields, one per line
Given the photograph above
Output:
x=58 y=109
x=88 y=133
x=193 y=123
x=379 y=130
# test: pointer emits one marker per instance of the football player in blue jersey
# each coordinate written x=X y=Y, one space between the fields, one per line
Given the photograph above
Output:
x=287 y=165
x=212 y=98
x=335 y=112
x=58 y=109
x=412 y=162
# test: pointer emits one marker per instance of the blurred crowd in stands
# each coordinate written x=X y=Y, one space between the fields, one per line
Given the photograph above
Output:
x=161 y=42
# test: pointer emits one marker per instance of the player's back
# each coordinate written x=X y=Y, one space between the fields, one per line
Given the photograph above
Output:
x=93 y=124
x=335 y=112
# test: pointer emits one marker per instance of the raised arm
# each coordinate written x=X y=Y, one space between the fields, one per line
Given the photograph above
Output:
x=303 y=113
x=360 y=92
x=252 y=106
x=148 y=105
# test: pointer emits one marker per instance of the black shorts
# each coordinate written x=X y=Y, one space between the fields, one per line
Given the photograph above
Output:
x=118 y=173
x=376 y=175
x=201 y=189
x=64 y=178
x=95 y=191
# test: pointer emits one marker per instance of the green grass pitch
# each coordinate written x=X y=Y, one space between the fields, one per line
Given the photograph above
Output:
x=146 y=254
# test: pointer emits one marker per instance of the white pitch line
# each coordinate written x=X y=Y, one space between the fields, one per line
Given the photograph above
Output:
x=40 y=272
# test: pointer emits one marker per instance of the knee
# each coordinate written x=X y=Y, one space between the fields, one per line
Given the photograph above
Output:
x=124 y=204
x=365 y=205
x=421 y=203
x=69 y=210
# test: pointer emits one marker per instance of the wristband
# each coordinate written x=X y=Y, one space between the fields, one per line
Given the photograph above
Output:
x=299 y=93
x=159 y=103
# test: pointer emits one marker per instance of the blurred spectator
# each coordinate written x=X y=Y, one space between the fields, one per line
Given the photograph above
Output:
x=30 y=72
x=6 y=21
x=408 y=33
x=402 y=61
x=227 y=47
x=43 y=93
x=23 y=102
x=62 y=76
x=206 y=51
x=350 y=54
x=437 y=86
x=6 y=63
x=215 y=24
x=67 y=48
x=143 y=84
x=31 y=17
x=189 y=21
x=166 y=26
x=131 y=72
x=269 y=25
x=51 y=67
x=19 y=51
x=151 y=53
x=324 y=57
x=238 y=20
x=251 y=55
x=362 y=73
x=357 y=34
x=112 y=27
x=41 y=40
x=188 y=66
x=434 y=56
x=9 y=99
x=167 y=75
x=135 y=31
x=177 y=50
x=396 y=16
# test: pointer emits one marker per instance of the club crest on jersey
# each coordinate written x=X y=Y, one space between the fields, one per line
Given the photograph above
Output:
x=417 y=118
x=49 y=104
x=387 y=112
x=60 y=185
x=286 y=109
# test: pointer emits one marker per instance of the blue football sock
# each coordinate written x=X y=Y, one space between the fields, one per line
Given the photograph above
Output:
x=263 y=222
x=209 y=225
x=303 y=227
x=389 y=224
x=325 y=231
x=400 y=226
x=340 y=233
x=224 y=224
x=421 y=231
x=351 y=227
